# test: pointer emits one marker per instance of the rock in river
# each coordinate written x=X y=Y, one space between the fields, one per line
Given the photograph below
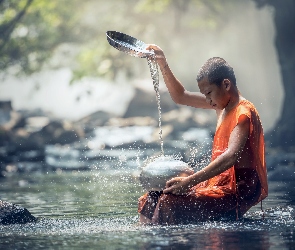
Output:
x=14 y=214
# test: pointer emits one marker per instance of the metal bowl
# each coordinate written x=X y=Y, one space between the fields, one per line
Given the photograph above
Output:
x=156 y=173
x=128 y=44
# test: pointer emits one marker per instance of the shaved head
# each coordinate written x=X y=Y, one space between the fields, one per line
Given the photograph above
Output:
x=216 y=69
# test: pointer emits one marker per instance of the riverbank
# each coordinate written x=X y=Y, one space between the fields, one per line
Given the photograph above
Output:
x=36 y=141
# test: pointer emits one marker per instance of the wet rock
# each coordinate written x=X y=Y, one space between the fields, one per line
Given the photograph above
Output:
x=15 y=166
x=26 y=145
x=65 y=157
x=31 y=155
x=184 y=119
x=8 y=120
x=5 y=105
x=11 y=119
x=14 y=120
x=14 y=214
x=2 y=170
x=5 y=109
x=277 y=158
x=56 y=132
x=167 y=133
x=26 y=113
x=8 y=155
x=4 y=137
x=284 y=173
x=24 y=133
x=112 y=136
x=36 y=123
x=33 y=120
x=280 y=165
x=144 y=103
x=94 y=120
x=179 y=119
x=132 y=121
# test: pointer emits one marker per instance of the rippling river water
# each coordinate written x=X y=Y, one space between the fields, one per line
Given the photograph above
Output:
x=98 y=210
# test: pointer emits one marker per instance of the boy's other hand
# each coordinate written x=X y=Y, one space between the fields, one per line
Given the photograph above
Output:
x=177 y=186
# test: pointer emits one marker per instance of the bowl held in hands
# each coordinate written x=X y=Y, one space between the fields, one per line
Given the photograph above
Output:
x=157 y=172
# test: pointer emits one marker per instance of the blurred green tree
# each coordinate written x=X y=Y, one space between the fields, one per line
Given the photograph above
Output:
x=134 y=17
x=30 y=31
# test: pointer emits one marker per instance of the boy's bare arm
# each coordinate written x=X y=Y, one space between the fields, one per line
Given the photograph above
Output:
x=178 y=93
x=237 y=140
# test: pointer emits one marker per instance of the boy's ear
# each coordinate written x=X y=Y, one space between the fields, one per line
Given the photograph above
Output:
x=226 y=84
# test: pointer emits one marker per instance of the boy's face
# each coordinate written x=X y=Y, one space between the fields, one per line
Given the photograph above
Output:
x=217 y=96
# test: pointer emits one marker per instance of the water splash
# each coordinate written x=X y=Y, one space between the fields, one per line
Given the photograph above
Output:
x=164 y=158
x=102 y=215
x=155 y=77
x=277 y=219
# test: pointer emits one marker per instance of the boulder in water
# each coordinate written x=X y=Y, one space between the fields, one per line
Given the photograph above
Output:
x=14 y=214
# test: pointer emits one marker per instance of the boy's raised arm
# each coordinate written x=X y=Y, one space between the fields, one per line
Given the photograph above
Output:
x=178 y=93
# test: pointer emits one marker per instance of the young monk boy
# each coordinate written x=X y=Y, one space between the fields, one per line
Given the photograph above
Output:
x=235 y=180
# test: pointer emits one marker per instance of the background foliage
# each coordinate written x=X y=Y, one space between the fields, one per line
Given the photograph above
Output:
x=31 y=31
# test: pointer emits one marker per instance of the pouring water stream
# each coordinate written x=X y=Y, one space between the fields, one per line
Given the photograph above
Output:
x=155 y=77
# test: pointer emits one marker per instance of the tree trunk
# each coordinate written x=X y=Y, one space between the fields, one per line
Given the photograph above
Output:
x=283 y=134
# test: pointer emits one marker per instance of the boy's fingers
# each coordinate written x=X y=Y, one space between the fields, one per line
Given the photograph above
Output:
x=149 y=46
x=167 y=190
x=170 y=182
x=152 y=47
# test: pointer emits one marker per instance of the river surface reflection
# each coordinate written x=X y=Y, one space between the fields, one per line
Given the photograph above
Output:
x=98 y=210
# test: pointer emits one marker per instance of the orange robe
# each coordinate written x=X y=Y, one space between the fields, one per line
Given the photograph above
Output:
x=227 y=195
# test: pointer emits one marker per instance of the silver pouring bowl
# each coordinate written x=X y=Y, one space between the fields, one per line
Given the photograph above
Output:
x=156 y=173
x=128 y=44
